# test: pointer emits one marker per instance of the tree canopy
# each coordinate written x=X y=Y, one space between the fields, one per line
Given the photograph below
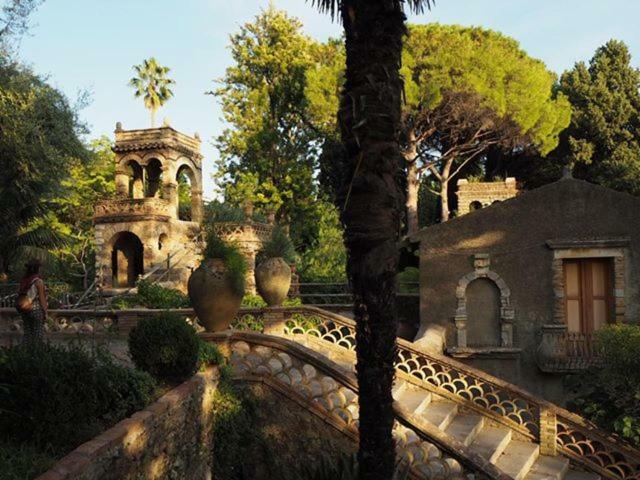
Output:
x=602 y=144
x=40 y=134
x=152 y=84
x=469 y=89
x=269 y=153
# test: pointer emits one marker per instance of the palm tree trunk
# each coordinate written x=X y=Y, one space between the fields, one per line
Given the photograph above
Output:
x=373 y=202
x=153 y=118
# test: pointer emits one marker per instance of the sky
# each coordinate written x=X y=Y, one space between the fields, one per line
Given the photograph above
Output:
x=93 y=44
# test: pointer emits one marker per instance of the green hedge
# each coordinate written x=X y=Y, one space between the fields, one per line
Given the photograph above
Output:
x=58 y=397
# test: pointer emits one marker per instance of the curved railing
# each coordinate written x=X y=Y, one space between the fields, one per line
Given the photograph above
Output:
x=554 y=428
x=325 y=386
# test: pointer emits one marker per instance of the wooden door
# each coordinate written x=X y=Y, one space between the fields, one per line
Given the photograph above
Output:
x=588 y=285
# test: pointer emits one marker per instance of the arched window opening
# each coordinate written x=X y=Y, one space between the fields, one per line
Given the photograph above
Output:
x=154 y=179
x=162 y=241
x=475 y=206
x=185 y=179
x=483 y=313
x=126 y=260
x=136 y=179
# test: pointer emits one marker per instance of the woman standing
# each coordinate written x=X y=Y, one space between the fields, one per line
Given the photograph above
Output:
x=32 y=302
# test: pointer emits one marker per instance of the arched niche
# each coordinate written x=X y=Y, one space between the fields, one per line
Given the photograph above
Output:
x=127 y=262
x=493 y=294
x=475 y=205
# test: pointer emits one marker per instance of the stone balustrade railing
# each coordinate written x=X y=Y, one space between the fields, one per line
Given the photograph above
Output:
x=134 y=207
x=561 y=351
x=554 y=428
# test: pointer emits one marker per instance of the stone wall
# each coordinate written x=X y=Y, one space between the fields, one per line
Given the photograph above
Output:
x=524 y=239
x=476 y=195
x=170 y=439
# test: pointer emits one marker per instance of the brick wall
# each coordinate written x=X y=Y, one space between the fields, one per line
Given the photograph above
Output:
x=169 y=439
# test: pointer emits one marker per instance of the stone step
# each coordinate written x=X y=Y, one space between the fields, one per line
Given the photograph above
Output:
x=413 y=399
x=579 y=475
x=440 y=413
x=517 y=458
x=491 y=442
x=465 y=427
x=548 y=468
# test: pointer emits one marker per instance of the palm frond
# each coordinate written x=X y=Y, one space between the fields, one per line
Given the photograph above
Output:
x=332 y=7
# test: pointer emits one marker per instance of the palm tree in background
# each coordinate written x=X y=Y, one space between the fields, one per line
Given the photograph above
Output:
x=152 y=84
x=372 y=198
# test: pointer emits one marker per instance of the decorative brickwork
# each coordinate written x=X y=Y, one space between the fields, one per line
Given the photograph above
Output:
x=481 y=265
x=476 y=195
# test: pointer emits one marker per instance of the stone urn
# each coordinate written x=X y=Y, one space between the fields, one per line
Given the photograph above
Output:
x=273 y=279
x=212 y=295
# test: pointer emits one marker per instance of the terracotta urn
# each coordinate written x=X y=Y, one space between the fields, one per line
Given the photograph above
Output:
x=273 y=280
x=212 y=295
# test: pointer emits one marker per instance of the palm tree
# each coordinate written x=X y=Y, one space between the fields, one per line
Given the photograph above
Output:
x=373 y=196
x=151 y=83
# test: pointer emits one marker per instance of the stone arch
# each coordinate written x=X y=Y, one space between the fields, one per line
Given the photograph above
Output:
x=481 y=265
x=135 y=174
x=187 y=185
x=475 y=205
x=153 y=180
x=127 y=259
x=163 y=241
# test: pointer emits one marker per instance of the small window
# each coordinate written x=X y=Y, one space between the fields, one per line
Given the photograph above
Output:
x=588 y=292
x=475 y=206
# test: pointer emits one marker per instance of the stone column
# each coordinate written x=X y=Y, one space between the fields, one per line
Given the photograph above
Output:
x=170 y=193
x=122 y=184
x=197 y=208
x=274 y=321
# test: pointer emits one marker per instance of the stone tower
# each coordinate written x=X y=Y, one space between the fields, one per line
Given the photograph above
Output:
x=151 y=225
x=476 y=195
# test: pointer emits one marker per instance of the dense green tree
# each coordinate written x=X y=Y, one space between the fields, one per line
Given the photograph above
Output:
x=602 y=144
x=39 y=136
x=470 y=89
x=271 y=144
x=152 y=84
x=372 y=200
x=325 y=259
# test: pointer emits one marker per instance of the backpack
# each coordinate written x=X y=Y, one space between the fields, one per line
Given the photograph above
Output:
x=24 y=300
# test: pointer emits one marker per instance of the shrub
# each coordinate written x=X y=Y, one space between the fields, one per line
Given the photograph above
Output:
x=278 y=245
x=20 y=461
x=59 y=397
x=608 y=394
x=232 y=256
x=165 y=346
x=152 y=295
x=209 y=354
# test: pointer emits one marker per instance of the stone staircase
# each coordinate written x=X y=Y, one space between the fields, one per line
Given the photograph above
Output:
x=518 y=458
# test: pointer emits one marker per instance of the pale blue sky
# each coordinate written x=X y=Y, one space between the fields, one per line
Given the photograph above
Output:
x=92 y=44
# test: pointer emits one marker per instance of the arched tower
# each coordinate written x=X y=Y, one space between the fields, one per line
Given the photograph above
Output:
x=152 y=223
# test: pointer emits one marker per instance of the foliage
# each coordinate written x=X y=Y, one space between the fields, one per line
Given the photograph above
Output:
x=167 y=347
x=209 y=354
x=233 y=430
x=609 y=393
x=40 y=135
x=469 y=90
x=20 y=461
x=152 y=84
x=153 y=295
x=326 y=257
x=232 y=256
x=216 y=211
x=63 y=396
x=344 y=467
x=278 y=245
x=250 y=323
x=253 y=301
x=184 y=196
x=14 y=22
x=270 y=151
x=603 y=139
